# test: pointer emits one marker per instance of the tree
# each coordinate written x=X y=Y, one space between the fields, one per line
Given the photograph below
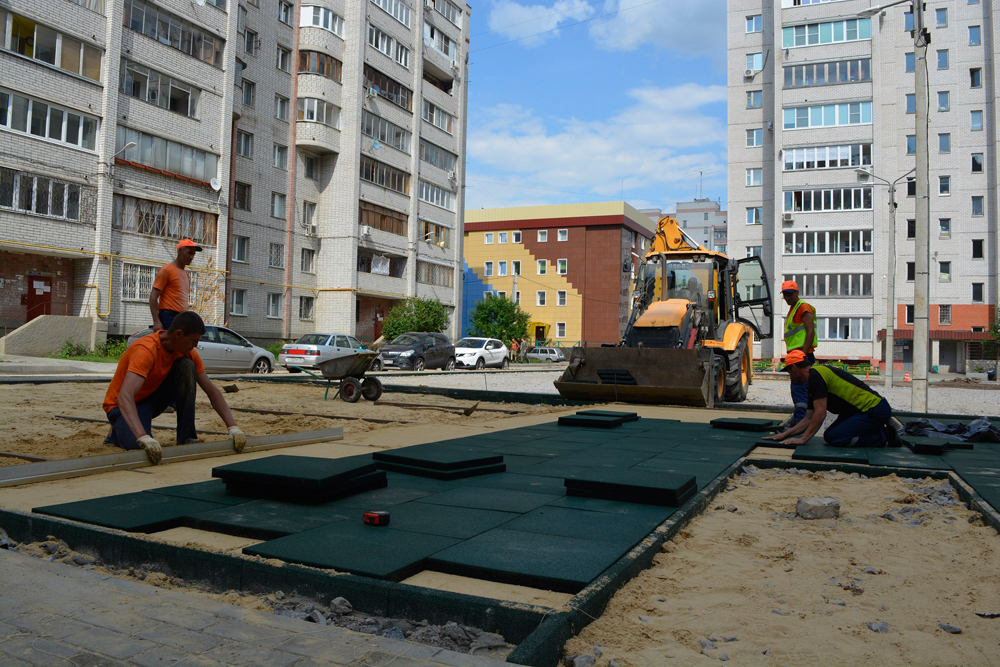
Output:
x=415 y=315
x=497 y=317
x=991 y=347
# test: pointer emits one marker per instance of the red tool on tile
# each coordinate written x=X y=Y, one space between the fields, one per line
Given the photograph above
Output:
x=377 y=518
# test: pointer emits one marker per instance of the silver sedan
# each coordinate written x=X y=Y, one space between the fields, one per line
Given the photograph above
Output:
x=223 y=350
x=310 y=350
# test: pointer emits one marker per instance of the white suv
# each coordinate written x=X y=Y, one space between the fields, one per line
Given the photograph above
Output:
x=479 y=353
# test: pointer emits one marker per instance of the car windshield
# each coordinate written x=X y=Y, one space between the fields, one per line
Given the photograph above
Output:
x=313 y=339
x=471 y=342
x=406 y=339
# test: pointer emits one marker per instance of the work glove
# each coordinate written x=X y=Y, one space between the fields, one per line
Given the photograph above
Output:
x=239 y=438
x=153 y=449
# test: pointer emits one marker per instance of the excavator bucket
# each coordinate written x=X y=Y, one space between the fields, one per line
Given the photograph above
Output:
x=639 y=375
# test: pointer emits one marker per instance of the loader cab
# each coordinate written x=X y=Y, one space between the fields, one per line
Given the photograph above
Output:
x=752 y=297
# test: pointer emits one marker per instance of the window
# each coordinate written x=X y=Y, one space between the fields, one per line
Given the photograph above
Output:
x=166 y=155
x=944 y=142
x=314 y=62
x=250 y=42
x=908 y=21
x=274 y=306
x=842 y=242
x=312 y=110
x=488 y=238
x=397 y=9
x=137 y=281
x=383 y=219
x=911 y=187
x=244 y=143
x=850 y=30
x=911 y=229
x=311 y=167
x=540 y=298
x=435 y=274
x=977 y=163
x=249 y=89
x=238 y=302
x=284 y=59
x=46 y=45
x=755 y=138
x=280 y=157
x=241 y=246
x=977 y=206
x=944 y=227
x=488 y=269
x=440 y=42
x=944 y=272
x=384 y=175
x=542 y=267
x=501 y=268
x=755 y=251
x=755 y=215
x=449 y=10
x=242 y=196
x=944 y=315
x=755 y=177
x=173 y=31
x=41 y=195
x=385 y=87
x=435 y=195
x=437 y=156
x=285 y=12
x=308 y=215
x=515 y=267
x=146 y=84
x=281 y=107
x=543 y=235
x=944 y=101
x=755 y=61
x=306 y=304
x=911 y=103
x=308 y=255
x=827 y=74
x=755 y=99
x=977 y=120
x=276 y=256
x=977 y=249
x=838 y=199
x=754 y=23
x=909 y=314
x=977 y=292
x=438 y=118
x=944 y=185
x=387 y=133
x=313 y=16
x=909 y=62
x=515 y=237
x=974 y=36
x=976 y=77
x=844 y=328
x=911 y=144
x=388 y=46
x=277 y=205
x=827 y=157
x=942 y=59
x=561 y=266
x=942 y=17
x=562 y=235
x=829 y=115
x=561 y=298
x=30 y=116
x=560 y=329
x=502 y=237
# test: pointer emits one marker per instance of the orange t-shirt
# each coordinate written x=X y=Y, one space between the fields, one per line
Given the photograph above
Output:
x=173 y=284
x=146 y=357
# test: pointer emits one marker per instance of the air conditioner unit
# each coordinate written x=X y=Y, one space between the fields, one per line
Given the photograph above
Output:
x=749 y=74
x=452 y=176
x=366 y=231
x=370 y=92
x=428 y=4
x=787 y=217
x=313 y=231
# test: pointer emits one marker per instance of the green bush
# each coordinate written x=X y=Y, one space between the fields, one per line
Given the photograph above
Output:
x=274 y=348
x=426 y=315
x=498 y=317
x=110 y=350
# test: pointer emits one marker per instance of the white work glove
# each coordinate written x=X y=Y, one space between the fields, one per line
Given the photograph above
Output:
x=153 y=449
x=239 y=438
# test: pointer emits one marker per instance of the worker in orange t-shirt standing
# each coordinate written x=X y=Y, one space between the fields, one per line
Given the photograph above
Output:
x=169 y=295
x=157 y=370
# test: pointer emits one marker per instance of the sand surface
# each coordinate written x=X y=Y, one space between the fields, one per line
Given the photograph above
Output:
x=766 y=588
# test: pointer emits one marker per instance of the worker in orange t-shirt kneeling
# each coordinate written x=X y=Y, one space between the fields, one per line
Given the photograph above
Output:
x=155 y=371
x=171 y=286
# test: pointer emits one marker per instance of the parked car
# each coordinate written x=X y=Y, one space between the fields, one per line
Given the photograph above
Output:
x=546 y=354
x=223 y=350
x=480 y=353
x=416 y=351
x=312 y=349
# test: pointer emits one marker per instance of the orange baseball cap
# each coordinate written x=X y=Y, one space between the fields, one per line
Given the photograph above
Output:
x=792 y=358
x=789 y=286
x=188 y=243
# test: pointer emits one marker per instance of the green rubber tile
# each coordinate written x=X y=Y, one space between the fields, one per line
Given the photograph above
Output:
x=384 y=498
x=643 y=486
x=624 y=529
x=605 y=457
x=901 y=457
x=135 y=512
x=550 y=562
x=374 y=480
x=557 y=469
x=447 y=521
x=304 y=472
x=934 y=446
x=618 y=507
x=438 y=457
x=722 y=458
x=448 y=475
x=520 y=482
x=546 y=447
x=624 y=416
x=397 y=480
x=382 y=552
x=523 y=463
x=484 y=498
x=583 y=435
x=745 y=424
x=213 y=491
x=811 y=452
x=591 y=421
x=267 y=519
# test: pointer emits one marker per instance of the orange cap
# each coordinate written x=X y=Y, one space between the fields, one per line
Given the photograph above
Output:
x=789 y=286
x=188 y=243
x=792 y=358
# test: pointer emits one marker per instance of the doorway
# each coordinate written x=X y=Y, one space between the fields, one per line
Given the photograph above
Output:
x=39 y=299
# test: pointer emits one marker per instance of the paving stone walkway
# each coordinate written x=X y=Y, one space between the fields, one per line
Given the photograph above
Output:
x=56 y=614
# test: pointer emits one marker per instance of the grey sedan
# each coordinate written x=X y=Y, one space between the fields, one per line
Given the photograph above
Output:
x=310 y=350
x=224 y=351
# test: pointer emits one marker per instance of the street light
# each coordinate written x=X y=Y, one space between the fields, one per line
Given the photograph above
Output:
x=890 y=291
x=441 y=244
x=922 y=260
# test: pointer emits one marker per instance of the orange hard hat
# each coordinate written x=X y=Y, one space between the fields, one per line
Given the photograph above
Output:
x=789 y=286
x=188 y=243
x=792 y=358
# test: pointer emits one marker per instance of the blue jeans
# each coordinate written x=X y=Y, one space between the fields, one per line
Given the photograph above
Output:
x=800 y=395
x=866 y=429
x=179 y=388
x=167 y=317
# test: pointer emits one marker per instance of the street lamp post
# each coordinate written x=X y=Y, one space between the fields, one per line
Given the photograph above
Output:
x=890 y=291
x=921 y=286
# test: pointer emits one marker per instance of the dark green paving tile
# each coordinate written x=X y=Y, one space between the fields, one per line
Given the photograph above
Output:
x=590 y=421
x=484 y=498
x=603 y=457
x=708 y=457
x=213 y=491
x=438 y=457
x=624 y=416
x=520 y=482
x=551 y=562
x=644 y=486
x=614 y=507
x=384 y=498
x=812 y=452
x=449 y=475
x=539 y=448
x=523 y=462
x=555 y=468
x=902 y=457
x=135 y=512
x=642 y=445
x=303 y=472
x=383 y=552
x=587 y=525
x=447 y=520
x=267 y=519
x=374 y=480
x=399 y=480
x=745 y=423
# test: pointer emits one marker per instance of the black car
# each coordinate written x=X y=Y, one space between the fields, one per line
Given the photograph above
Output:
x=417 y=351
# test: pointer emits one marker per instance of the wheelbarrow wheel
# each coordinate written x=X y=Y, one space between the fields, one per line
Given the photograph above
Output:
x=371 y=389
x=350 y=390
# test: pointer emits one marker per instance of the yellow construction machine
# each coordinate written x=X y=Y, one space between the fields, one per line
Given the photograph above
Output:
x=690 y=336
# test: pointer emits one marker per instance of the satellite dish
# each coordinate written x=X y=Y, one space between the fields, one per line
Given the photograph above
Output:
x=200 y=3
x=216 y=185
x=376 y=144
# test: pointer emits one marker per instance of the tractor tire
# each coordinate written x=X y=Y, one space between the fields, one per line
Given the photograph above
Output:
x=371 y=389
x=738 y=373
x=350 y=390
x=719 y=369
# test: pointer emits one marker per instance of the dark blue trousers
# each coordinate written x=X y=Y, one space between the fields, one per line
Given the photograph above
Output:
x=179 y=388
x=167 y=317
x=866 y=429
x=800 y=396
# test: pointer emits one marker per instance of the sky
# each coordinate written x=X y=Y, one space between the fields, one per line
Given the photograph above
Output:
x=573 y=101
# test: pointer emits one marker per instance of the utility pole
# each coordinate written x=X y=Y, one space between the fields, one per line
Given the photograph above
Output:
x=921 y=286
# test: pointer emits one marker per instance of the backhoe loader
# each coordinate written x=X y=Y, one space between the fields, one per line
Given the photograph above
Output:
x=689 y=339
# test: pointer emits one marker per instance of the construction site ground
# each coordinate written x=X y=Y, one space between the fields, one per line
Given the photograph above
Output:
x=745 y=581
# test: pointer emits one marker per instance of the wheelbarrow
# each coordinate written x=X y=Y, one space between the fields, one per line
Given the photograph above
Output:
x=350 y=370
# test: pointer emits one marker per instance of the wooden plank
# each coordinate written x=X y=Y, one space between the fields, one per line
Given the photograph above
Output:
x=92 y=465
x=318 y=414
x=105 y=421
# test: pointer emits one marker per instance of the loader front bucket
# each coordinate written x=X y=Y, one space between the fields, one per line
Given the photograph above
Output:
x=638 y=375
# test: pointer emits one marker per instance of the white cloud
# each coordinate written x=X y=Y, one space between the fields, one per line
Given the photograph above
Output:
x=692 y=28
x=647 y=149
x=531 y=23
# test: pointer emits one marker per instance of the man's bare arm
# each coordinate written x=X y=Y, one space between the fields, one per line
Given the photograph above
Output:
x=154 y=308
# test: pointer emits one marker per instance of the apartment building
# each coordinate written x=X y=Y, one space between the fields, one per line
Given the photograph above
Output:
x=570 y=266
x=817 y=92
x=316 y=151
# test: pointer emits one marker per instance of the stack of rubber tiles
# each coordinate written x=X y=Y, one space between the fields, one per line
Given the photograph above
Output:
x=446 y=462
x=301 y=479
x=598 y=419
